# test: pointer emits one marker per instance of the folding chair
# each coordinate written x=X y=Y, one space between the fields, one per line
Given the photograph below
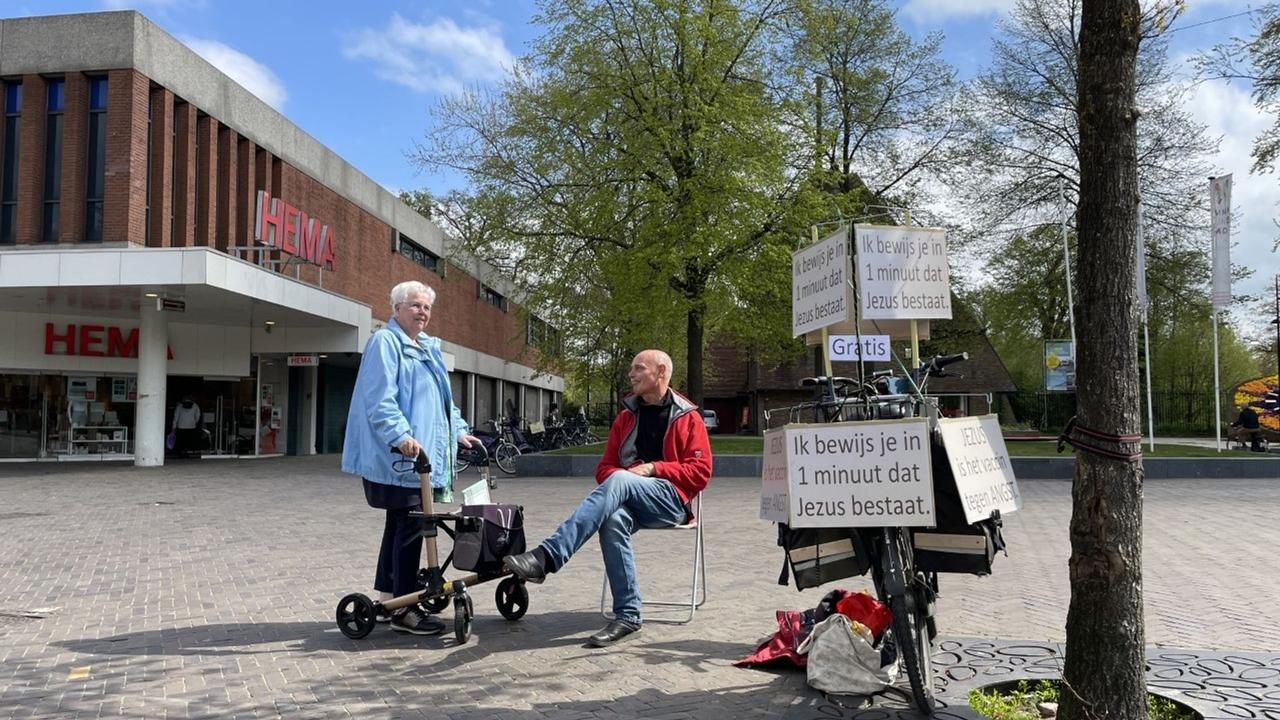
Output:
x=697 y=585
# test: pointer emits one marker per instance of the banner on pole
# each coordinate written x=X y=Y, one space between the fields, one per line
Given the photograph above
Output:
x=1220 y=216
x=1143 y=302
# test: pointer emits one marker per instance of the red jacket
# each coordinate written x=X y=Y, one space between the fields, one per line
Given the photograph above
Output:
x=686 y=451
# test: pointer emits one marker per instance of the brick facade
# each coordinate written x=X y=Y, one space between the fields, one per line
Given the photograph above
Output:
x=184 y=175
x=206 y=174
x=75 y=158
x=210 y=200
x=31 y=160
x=124 y=209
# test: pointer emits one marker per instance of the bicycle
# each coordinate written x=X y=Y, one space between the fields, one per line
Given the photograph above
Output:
x=498 y=445
x=909 y=591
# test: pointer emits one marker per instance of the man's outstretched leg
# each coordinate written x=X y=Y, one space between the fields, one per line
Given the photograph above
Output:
x=615 y=508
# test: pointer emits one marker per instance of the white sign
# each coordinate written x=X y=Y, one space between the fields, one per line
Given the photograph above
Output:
x=902 y=273
x=855 y=474
x=819 y=274
x=1220 y=216
x=773 y=479
x=304 y=361
x=980 y=462
x=476 y=494
x=846 y=347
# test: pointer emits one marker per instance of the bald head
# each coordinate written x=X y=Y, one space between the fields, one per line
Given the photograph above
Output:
x=650 y=375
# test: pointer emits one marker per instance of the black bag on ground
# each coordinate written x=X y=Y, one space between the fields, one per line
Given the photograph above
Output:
x=486 y=534
x=821 y=555
x=955 y=545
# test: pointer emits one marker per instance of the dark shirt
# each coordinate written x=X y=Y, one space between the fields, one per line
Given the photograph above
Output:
x=1248 y=419
x=651 y=428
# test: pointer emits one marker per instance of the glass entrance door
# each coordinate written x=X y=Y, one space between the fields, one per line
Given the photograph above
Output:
x=22 y=416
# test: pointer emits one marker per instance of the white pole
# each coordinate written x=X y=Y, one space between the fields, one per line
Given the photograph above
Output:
x=1146 y=342
x=153 y=374
x=1217 y=391
x=1066 y=254
x=1143 y=302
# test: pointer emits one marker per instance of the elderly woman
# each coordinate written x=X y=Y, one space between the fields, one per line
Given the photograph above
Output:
x=402 y=399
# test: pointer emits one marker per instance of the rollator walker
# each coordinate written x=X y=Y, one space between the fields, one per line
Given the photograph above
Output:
x=482 y=535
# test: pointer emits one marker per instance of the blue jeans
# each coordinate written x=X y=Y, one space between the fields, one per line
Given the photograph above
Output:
x=616 y=508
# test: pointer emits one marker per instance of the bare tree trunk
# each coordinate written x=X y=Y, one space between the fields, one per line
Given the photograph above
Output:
x=1105 y=661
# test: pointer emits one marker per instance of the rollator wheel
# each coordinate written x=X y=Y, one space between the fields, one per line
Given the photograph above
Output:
x=355 y=616
x=462 y=619
x=512 y=598
x=436 y=604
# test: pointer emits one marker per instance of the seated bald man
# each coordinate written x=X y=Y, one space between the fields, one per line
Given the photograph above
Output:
x=657 y=460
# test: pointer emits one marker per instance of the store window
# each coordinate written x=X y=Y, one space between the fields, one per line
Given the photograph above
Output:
x=486 y=400
x=97 y=160
x=9 y=173
x=491 y=296
x=511 y=399
x=420 y=255
x=22 y=416
x=55 y=94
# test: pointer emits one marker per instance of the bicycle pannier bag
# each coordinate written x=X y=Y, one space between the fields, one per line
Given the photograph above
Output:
x=486 y=534
x=819 y=555
x=955 y=546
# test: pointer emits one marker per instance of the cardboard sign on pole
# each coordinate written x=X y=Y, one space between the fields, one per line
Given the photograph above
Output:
x=980 y=462
x=819 y=275
x=854 y=474
x=902 y=273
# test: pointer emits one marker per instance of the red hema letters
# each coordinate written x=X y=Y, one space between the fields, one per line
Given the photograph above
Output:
x=286 y=228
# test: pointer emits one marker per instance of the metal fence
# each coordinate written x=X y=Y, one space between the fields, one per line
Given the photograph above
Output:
x=1174 y=413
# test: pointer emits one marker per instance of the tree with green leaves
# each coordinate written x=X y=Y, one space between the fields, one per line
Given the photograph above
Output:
x=632 y=170
x=1022 y=131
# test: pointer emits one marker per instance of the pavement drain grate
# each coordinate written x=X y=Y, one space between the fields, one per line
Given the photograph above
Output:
x=1216 y=684
x=154 y=503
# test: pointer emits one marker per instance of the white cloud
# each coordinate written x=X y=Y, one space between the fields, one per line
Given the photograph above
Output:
x=253 y=75
x=438 y=57
x=934 y=10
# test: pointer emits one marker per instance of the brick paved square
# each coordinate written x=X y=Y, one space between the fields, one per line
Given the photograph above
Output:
x=207 y=590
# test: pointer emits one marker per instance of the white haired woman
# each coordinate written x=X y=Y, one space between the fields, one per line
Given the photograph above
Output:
x=402 y=399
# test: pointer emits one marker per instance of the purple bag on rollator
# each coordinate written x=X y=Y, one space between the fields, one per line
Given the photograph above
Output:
x=486 y=534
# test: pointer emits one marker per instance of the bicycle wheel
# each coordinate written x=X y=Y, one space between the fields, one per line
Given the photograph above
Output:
x=505 y=457
x=910 y=625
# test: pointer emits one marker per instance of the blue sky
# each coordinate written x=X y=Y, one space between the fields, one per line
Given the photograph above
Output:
x=361 y=77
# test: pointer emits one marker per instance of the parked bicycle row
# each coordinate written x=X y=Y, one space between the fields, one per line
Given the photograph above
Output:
x=511 y=436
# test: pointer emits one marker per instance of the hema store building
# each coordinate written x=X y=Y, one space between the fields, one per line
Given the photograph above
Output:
x=164 y=233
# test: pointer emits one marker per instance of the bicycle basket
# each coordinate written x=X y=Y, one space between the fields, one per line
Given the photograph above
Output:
x=486 y=534
x=819 y=555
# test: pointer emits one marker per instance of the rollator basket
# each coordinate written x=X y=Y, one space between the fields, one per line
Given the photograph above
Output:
x=486 y=534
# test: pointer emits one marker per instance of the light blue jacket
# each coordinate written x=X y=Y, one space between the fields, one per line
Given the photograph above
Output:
x=402 y=391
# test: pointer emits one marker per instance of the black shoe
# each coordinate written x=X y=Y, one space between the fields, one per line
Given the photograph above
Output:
x=526 y=566
x=414 y=621
x=613 y=632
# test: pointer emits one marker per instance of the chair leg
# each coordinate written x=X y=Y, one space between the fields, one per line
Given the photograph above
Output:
x=697 y=588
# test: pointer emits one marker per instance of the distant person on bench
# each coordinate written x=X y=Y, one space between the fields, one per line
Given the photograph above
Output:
x=657 y=460
x=1246 y=427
